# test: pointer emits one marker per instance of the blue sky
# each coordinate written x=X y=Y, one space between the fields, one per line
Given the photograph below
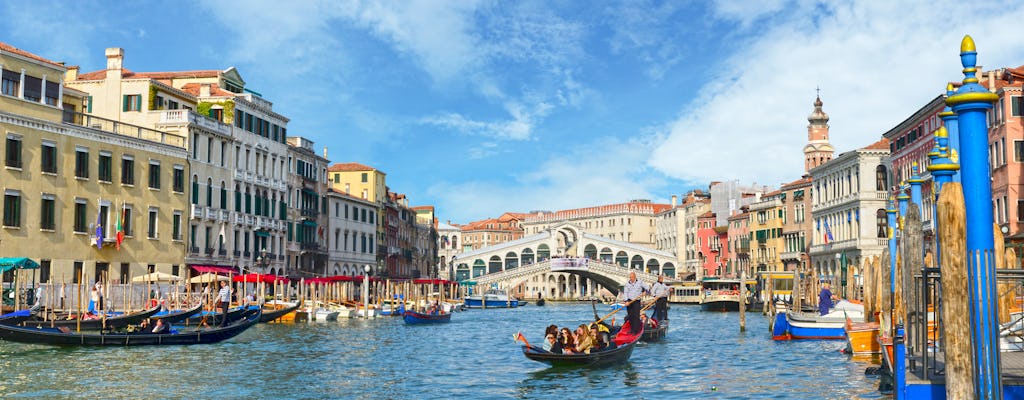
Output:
x=482 y=107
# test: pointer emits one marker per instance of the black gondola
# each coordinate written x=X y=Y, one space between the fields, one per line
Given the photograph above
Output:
x=54 y=336
x=211 y=318
x=178 y=316
x=16 y=317
x=654 y=334
x=601 y=358
x=540 y=302
x=270 y=315
x=119 y=321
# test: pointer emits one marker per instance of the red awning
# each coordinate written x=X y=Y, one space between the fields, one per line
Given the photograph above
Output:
x=215 y=269
x=431 y=281
x=256 y=278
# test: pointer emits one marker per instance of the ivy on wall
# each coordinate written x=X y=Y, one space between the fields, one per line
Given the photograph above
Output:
x=204 y=107
x=152 y=97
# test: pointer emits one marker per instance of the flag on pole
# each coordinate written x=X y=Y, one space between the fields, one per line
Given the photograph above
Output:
x=120 y=229
x=99 y=227
x=828 y=233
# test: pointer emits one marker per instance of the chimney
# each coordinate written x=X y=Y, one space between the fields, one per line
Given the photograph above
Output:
x=204 y=90
x=71 y=74
x=674 y=199
x=325 y=151
x=115 y=62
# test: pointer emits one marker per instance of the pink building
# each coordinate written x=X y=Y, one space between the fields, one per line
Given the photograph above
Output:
x=710 y=239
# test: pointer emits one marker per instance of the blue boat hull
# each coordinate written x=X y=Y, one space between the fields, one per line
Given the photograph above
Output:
x=476 y=303
x=415 y=318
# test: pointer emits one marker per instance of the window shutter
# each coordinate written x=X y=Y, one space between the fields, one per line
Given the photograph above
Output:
x=124 y=103
x=138 y=103
x=89 y=106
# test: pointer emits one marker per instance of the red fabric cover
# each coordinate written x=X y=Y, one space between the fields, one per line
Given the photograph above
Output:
x=256 y=278
x=214 y=269
x=625 y=337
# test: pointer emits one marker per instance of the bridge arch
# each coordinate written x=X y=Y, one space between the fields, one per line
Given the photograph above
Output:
x=511 y=260
x=622 y=259
x=606 y=255
x=653 y=266
x=637 y=262
x=494 y=265
x=526 y=256
x=590 y=251
x=543 y=252
x=479 y=268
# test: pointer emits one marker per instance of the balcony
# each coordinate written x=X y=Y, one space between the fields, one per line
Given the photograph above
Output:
x=239 y=175
x=182 y=116
x=107 y=125
x=197 y=211
x=281 y=186
x=237 y=253
x=246 y=254
x=225 y=215
x=210 y=250
x=250 y=220
x=222 y=252
x=309 y=213
x=193 y=250
x=280 y=257
x=262 y=181
x=791 y=255
x=211 y=214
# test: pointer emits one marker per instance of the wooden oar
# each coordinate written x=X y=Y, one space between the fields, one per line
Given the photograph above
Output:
x=626 y=304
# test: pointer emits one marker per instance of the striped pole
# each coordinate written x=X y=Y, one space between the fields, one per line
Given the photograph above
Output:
x=970 y=103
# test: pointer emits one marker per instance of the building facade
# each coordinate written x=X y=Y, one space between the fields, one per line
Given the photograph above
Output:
x=351 y=227
x=766 y=243
x=632 y=222
x=307 y=247
x=88 y=198
x=796 y=228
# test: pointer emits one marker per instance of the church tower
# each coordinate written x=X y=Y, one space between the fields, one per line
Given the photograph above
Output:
x=817 y=151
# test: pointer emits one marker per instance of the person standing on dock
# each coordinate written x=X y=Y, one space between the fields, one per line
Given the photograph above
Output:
x=660 y=292
x=224 y=299
x=825 y=299
x=631 y=294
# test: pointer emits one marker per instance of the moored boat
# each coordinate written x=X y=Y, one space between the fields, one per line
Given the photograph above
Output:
x=63 y=336
x=654 y=331
x=173 y=317
x=416 y=318
x=721 y=295
x=95 y=323
x=624 y=340
x=493 y=298
x=808 y=325
x=278 y=313
x=862 y=338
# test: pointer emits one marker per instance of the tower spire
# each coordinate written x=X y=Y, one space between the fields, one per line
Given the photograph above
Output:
x=818 y=150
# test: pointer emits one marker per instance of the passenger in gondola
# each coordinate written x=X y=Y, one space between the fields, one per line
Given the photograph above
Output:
x=552 y=344
x=160 y=327
x=584 y=342
x=599 y=342
x=568 y=341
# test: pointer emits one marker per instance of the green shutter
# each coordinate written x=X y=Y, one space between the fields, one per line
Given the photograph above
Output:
x=290 y=227
x=124 y=103
x=89 y=106
x=283 y=213
x=238 y=201
x=138 y=103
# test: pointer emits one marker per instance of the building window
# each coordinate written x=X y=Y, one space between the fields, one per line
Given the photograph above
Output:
x=176 y=226
x=131 y=102
x=13 y=158
x=11 y=82
x=52 y=89
x=80 y=221
x=365 y=177
x=1018 y=150
x=126 y=221
x=151 y=232
x=172 y=105
x=106 y=169
x=158 y=103
x=82 y=163
x=127 y=171
x=1016 y=103
x=179 y=179
x=154 y=175
x=46 y=213
x=33 y=90
x=12 y=208
x=49 y=158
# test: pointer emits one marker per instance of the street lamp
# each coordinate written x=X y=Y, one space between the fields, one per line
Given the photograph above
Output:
x=366 y=291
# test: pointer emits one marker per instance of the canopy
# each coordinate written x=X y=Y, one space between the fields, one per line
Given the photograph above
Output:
x=214 y=269
x=156 y=277
x=11 y=263
x=431 y=281
x=207 y=278
x=257 y=278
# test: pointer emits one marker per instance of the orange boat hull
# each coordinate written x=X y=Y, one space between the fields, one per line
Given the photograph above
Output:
x=862 y=338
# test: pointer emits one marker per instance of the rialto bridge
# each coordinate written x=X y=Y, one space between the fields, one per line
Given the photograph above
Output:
x=562 y=262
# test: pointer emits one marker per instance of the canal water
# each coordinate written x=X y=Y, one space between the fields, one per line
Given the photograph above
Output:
x=473 y=357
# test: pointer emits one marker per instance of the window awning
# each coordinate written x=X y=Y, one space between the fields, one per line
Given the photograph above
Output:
x=309 y=223
x=11 y=263
x=262 y=233
x=214 y=269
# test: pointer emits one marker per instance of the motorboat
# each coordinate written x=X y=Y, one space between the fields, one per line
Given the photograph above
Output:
x=493 y=298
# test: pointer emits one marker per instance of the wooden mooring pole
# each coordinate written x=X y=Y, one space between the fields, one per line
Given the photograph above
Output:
x=955 y=301
x=743 y=300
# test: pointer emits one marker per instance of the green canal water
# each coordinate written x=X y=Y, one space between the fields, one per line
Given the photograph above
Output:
x=473 y=357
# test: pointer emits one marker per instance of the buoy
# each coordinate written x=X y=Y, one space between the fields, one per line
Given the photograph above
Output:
x=714 y=388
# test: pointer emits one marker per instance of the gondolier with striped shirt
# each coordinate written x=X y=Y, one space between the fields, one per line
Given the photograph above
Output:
x=223 y=300
x=660 y=292
x=631 y=294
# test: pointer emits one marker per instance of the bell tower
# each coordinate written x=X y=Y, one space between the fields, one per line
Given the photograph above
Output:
x=818 y=150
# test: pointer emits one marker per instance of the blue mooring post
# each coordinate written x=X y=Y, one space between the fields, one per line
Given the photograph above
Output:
x=943 y=170
x=970 y=103
x=915 y=182
x=902 y=200
x=953 y=134
x=890 y=213
x=899 y=357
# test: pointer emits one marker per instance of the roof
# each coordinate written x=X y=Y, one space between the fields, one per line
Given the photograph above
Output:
x=343 y=194
x=742 y=215
x=597 y=211
x=11 y=49
x=127 y=73
x=349 y=167
x=422 y=208
x=708 y=214
x=215 y=90
x=882 y=144
x=805 y=181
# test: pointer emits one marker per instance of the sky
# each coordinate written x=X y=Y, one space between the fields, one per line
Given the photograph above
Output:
x=484 y=107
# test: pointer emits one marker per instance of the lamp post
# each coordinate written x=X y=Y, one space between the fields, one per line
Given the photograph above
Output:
x=841 y=259
x=366 y=291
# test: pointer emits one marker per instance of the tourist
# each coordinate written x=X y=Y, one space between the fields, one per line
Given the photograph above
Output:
x=94 y=299
x=99 y=296
x=825 y=299
x=568 y=341
x=552 y=344
x=160 y=327
x=599 y=342
x=631 y=294
x=63 y=290
x=584 y=342
x=660 y=292
x=224 y=299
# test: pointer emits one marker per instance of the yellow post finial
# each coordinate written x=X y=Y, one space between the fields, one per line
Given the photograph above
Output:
x=949 y=87
x=942 y=132
x=967 y=45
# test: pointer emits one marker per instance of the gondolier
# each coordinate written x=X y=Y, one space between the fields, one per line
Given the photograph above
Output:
x=223 y=300
x=631 y=293
x=660 y=292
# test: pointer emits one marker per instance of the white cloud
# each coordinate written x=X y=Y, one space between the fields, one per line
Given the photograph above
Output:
x=605 y=171
x=875 y=67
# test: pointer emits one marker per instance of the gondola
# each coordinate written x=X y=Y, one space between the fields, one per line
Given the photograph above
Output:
x=178 y=316
x=624 y=340
x=415 y=318
x=119 y=321
x=16 y=317
x=213 y=317
x=654 y=333
x=270 y=315
x=540 y=302
x=64 y=337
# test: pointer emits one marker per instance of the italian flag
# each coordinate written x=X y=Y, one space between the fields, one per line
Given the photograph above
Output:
x=120 y=231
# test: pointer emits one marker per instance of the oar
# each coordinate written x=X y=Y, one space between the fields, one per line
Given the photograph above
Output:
x=626 y=304
x=593 y=304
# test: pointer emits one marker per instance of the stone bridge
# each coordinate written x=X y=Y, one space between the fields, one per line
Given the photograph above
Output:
x=550 y=277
